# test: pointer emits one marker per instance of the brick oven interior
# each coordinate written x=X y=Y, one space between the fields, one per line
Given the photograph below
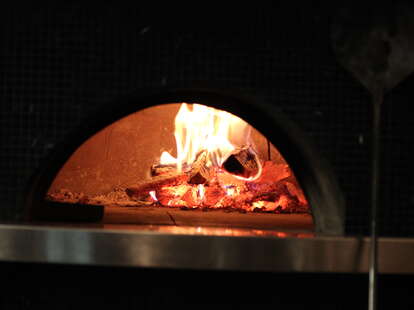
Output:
x=108 y=168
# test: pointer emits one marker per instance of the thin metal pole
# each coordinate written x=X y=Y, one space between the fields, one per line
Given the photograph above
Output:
x=376 y=139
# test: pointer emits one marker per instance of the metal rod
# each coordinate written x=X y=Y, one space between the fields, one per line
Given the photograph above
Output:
x=376 y=139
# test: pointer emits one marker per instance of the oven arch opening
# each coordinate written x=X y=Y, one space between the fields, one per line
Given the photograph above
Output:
x=311 y=170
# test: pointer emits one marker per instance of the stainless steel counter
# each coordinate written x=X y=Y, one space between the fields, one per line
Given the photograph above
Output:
x=200 y=248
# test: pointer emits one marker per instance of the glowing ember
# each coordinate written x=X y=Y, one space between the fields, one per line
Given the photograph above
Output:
x=230 y=190
x=200 y=192
x=283 y=201
x=153 y=196
x=258 y=204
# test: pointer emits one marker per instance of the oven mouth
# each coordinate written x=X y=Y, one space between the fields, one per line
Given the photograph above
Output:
x=312 y=172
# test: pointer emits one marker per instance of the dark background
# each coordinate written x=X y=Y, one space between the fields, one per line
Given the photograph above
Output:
x=60 y=64
x=49 y=286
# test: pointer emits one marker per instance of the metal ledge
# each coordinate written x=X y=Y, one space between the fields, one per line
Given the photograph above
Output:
x=200 y=248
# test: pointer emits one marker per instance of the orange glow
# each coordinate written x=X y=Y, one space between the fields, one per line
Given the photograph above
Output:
x=283 y=201
x=216 y=165
x=210 y=231
x=258 y=204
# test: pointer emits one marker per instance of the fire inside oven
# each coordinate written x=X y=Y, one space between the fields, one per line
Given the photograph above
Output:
x=181 y=156
x=186 y=163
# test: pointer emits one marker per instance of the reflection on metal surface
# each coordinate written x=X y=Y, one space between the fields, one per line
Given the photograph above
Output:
x=199 y=248
x=210 y=231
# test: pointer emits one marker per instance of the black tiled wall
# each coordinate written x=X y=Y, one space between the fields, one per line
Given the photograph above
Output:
x=58 y=65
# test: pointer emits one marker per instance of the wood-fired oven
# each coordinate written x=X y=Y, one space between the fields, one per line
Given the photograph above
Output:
x=189 y=157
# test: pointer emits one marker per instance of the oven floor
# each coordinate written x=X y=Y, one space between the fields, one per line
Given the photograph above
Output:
x=218 y=218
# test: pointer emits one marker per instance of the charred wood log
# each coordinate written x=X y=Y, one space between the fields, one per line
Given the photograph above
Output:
x=275 y=190
x=200 y=173
x=157 y=170
x=242 y=162
x=156 y=183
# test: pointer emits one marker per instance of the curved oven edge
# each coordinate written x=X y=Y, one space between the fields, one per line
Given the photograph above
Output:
x=149 y=249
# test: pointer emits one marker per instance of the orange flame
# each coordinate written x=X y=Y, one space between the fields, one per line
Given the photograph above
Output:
x=206 y=129
x=167 y=159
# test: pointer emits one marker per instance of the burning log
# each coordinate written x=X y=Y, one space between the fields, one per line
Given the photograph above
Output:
x=156 y=183
x=157 y=170
x=200 y=173
x=274 y=191
x=242 y=162
x=214 y=193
